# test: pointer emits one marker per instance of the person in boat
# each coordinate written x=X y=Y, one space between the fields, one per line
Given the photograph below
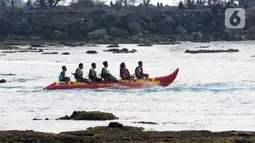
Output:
x=62 y=76
x=78 y=75
x=124 y=72
x=105 y=74
x=139 y=72
x=93 y=74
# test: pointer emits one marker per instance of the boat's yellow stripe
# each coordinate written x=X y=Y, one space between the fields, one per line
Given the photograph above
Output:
x=151 y=80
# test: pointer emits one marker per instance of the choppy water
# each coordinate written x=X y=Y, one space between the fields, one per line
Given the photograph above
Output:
x=212 y=91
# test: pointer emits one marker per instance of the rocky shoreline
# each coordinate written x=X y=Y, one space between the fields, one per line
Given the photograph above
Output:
x=106 y=27
x=117 y=133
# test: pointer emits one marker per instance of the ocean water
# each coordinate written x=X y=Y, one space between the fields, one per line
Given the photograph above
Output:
x=213 y=92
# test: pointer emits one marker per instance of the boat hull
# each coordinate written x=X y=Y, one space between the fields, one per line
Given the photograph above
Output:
x=141 y=83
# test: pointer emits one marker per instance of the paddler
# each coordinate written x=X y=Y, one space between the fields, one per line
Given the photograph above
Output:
x=62 y=76
x=105 y=74
x=124 y=72
x=139 y=72
x=93 y=74
x=78 y=75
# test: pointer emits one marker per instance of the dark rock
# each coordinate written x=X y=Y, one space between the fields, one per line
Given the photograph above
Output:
x=115 y=125
x=211 y=51
x=50 y=53
x=2 y=81
x=143 y=122
x=66 y=117
x=91 y=52
x=253 y=56
x=65 y=53
x=36 y=119
x=113 y=45
x=46 y=118
x=92 y=115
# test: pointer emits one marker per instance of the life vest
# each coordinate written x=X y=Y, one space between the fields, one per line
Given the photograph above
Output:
x=60 y=77
x=90 y=74
x=139 y=74
x=125 y=75
x=78 y=76
x=104 y=73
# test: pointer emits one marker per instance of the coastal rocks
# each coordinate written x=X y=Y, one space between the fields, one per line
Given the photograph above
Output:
x=115 y=125
x=50 y=53
x=91 y=52
x=36 y=119
x=89 y=115
x=211 y=51
x=124 y=50
x=2 y=81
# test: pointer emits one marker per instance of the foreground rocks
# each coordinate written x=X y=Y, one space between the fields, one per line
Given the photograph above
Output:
x=118 y=133
x=211 y=51
x=89 y=115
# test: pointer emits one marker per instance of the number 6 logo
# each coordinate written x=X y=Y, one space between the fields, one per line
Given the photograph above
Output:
x=235 y=18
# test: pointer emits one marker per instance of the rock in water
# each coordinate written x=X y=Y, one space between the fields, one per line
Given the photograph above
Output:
x=92 y=115
x=91 y=52
x=115 y=125
x=65 y=53
x=113 y=45
x=2 y=81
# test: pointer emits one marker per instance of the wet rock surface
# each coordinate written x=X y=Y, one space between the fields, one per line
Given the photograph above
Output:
x=50 y=53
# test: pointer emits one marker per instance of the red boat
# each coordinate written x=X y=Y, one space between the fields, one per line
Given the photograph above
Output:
x=138 y=83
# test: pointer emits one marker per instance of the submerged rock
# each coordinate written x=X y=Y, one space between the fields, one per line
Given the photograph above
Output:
x=36 y=119
x=143 y=122
x=2 y=81
x=50 y=53
x=211 y=51
x=89 y=115
x=253 y=56
x=124 y=50
x=91 y=52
